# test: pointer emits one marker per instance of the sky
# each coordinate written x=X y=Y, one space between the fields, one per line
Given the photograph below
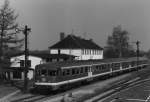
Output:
x=86 y=18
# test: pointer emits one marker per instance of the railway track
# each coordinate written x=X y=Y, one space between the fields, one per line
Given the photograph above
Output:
x=39 y=98
x=114 y=89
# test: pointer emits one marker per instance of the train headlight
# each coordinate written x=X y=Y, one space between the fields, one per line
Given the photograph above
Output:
x=37 y=80
x=43 y=79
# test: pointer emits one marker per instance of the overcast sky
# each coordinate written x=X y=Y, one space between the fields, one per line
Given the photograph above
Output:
x=86 y=18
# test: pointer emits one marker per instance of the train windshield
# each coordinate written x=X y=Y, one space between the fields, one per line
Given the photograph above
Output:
x=43 y=72
x=52 y=73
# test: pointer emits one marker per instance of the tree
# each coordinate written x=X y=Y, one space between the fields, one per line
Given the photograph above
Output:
x=8 y=35
x=9 y=40
x=147 y=54
x=118 y=43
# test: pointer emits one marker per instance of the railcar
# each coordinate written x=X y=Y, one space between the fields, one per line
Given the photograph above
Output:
x=57 y=75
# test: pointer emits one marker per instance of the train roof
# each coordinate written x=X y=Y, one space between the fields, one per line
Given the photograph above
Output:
x=59 y=65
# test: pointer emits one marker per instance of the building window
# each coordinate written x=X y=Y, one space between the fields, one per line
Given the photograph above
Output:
x=87 y=52
x=59 y=51
x=93 y=52
x=100 y=52
x=82 y=52
x=17 y=74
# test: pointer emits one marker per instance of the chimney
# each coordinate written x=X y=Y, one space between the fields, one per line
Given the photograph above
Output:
x=91 y=40
x=62 y=36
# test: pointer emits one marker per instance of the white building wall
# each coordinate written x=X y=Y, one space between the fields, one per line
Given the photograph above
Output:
x=66 y=51
x=83 y=54
x=34 y=61
x=54 y=51
x=75 y=52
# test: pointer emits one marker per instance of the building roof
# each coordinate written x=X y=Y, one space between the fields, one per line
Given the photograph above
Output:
x=44 y=55
x=74 y=42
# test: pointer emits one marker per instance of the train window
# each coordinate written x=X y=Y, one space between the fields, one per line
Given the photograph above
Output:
x=116 y=65
x=104 y=66
x=125 y=64
x=86 y=69
x=44 y=72
x=81 y=70
x=64 y=72
x=73 y=71
x=77 y=71
x=54 y=73
x=49 y=72
x=108 y=65
x=97 y=67
x=133 y=63
x=67 y=72
x=101 y=67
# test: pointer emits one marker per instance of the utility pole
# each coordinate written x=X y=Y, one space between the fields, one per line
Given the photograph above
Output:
x=26 y=31
x=1 y=46
x=137 y=51
x=120 y=46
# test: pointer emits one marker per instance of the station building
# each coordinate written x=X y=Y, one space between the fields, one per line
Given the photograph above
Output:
x=77 y=46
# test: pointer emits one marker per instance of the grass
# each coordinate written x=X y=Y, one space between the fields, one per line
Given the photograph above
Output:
x=5 y=90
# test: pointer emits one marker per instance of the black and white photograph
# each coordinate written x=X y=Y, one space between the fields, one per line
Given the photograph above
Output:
x=74 y=50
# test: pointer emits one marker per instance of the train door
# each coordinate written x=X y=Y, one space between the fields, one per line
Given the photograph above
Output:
x=89 y=74
x=90 y=71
